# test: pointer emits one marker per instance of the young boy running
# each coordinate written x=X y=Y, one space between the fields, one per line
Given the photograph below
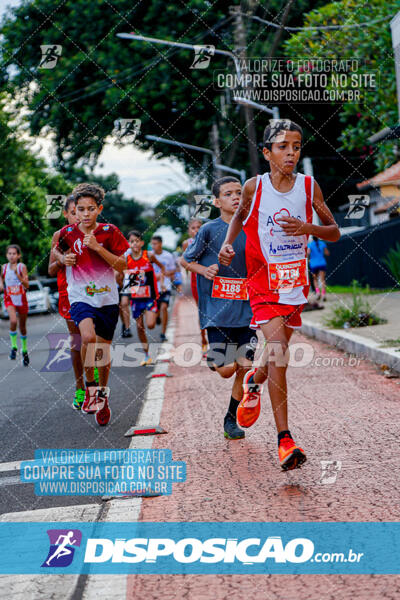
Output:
x=140 y=281
x=165 y=258
x=55 y=269
x=224 y=310
x=275 y=212
x=96 y=249
x=14 y=281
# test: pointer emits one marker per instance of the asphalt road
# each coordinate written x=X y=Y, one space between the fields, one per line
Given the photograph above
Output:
x=36 y=412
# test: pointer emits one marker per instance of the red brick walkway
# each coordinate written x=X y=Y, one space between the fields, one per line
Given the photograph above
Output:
x=338 y=412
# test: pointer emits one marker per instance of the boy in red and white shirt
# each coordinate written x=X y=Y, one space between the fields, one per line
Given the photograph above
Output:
x=55 y=269
x=275 y=212
x=93 y=250
x=14 y=281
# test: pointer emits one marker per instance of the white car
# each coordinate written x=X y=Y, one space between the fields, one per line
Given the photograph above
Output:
x=38 y=297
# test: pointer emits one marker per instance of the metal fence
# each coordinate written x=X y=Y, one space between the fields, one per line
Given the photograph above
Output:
x=359 y=256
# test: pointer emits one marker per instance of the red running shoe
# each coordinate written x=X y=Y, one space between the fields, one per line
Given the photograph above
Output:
x=249 y=408
x=290 y=455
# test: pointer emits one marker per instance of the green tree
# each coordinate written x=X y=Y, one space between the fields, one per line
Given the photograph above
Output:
x=24 y=183
x=100 y=78
x=371 y=44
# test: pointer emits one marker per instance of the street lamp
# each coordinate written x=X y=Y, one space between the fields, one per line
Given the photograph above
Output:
x=241 y=173
x=141 y=38
x=274 y=111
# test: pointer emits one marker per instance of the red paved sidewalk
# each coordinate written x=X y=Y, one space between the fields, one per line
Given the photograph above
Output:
x=337 y=412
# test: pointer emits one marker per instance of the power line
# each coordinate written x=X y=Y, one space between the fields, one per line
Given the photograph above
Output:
x=121 y=77
x=317 y=28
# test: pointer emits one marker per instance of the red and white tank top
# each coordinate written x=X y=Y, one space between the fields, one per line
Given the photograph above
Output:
x=276 y=262
x=14 y=288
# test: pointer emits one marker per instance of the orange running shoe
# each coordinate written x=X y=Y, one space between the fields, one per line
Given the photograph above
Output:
x=249 y=408
x=290 y=455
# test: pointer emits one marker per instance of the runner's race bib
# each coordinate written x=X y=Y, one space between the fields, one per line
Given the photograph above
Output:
x=14 y=289
x=287 y=275
x=229 y=288
x=141 y=291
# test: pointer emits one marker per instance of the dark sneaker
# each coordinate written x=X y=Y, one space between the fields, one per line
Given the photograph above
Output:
x=25 y=359
x=13 y=354
x=127 y=333
x=231 y=429
x=163 y=337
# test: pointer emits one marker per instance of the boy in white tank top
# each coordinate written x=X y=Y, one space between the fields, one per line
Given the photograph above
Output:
x=275 y=212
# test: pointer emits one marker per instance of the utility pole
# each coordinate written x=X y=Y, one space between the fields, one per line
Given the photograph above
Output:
x=214 y=138
x=240 y=50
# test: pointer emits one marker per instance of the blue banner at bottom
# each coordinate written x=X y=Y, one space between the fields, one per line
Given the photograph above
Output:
x=200 y=548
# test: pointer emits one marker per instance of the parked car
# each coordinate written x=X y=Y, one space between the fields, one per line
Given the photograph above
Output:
x=39 y=299
x=51 y=283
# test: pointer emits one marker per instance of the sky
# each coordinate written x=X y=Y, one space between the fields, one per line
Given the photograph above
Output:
x=141 y=176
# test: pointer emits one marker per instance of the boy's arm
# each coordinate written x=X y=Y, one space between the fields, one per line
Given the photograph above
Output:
x=207 y=272
x=235 y=226
x=329 y=231
x=54 y=265
x=153 y=259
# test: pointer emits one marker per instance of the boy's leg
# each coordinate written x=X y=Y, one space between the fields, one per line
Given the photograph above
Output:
x=88 y=347
x=104 y=360
x=276 y=354
x=142 y=332
x=164 y=317
x=124 y=311
x=316 y=287
x=151 y=318
x=274 y=365
x=75 y=347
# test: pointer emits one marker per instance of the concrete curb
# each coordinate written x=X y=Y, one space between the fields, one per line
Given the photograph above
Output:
x=354 y=344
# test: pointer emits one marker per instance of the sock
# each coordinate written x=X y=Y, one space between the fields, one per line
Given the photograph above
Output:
x=13 y=338
x=282 y=434
x=232 y=408
x=23 y=343
x=323 y=292
x=317 y=290
x=91 y=384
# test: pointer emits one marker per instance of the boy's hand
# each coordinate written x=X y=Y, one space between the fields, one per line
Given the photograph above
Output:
x=69 y=260
x=211 y=272
x=90 y=242
x=226 y=254
x=292 y=226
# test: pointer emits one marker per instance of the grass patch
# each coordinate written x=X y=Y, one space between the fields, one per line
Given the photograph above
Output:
x=390 y=343
x=359 y=314
x=348 y=289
